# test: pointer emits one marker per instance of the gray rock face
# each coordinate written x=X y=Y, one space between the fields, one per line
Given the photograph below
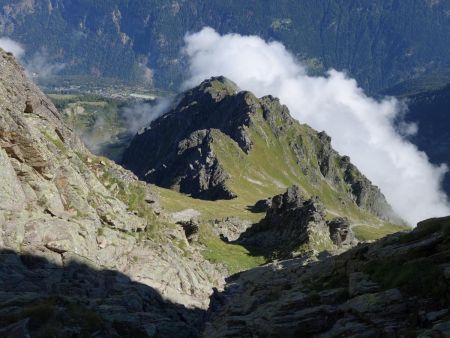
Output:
x=191 y=229
x=340 y=231
x=10 y=188
x=205 y=177
x=360 y=283
x=77 y=299
x=19 y=329
x=60 y=204
x=229 y=228
x=394 y=287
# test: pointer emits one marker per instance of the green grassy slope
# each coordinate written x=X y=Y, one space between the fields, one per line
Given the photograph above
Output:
x=271 y=167
x=268 y=169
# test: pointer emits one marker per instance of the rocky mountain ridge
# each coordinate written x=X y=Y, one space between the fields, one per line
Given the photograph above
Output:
x=188 y=150
x=183 y=158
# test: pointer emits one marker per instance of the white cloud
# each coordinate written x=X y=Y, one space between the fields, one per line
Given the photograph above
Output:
x=360 y=126
x=139 y=115
x=12 y=46
x=39 y=66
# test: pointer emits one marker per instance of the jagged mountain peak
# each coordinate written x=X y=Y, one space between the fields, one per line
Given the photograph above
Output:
x=186 y=132
x=210 y=90
x=219 y=103
x=218 y=84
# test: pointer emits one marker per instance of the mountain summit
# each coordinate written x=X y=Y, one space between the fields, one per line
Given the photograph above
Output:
x=176 y=151
x=219 y=142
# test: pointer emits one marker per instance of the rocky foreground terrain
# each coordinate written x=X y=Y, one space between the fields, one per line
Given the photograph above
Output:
x=396 y=287
x=83 y=250
x=88 y=250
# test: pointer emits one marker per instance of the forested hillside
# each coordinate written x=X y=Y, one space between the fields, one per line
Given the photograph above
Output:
x=380 y=42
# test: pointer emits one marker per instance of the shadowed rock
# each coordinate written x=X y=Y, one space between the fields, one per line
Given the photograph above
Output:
x=396 y=287
x=296 y=225
x=41 y=299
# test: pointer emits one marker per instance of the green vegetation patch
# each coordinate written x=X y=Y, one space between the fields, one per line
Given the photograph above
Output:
x=419 y=276
x=271 y=167
x=56 y=141
x=235 y=257
x=371 y=233
x=174 y=201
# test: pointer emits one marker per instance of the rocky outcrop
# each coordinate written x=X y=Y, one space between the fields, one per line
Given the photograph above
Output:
x=340 y=170
x=230 y=228
x=40 y=298
x=398 y=286
x=191 y=230
x=59 y=204
x=296 y=225
x=340 y=231
x=205 y=177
